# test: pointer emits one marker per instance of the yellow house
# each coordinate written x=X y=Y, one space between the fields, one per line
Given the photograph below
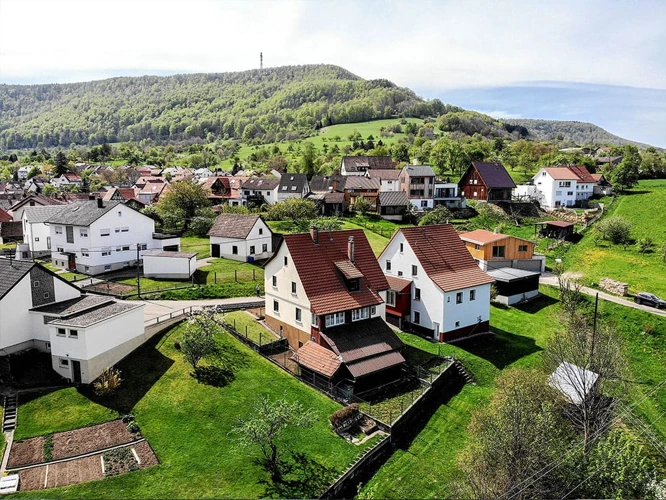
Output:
x=496 y=250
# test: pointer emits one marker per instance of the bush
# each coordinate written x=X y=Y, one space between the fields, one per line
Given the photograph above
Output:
x=616 y=229
x=645 y=245
x=133 y=427
x=341 y=416
x=440 y=215
x=107 y=382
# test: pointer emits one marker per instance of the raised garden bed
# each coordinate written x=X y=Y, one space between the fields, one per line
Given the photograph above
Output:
x=27 y=452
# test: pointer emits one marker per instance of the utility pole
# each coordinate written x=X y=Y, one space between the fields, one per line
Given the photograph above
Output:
x=261 y=60
x=138 y=271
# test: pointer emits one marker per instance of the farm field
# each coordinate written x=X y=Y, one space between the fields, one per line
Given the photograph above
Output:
x=520 y=336
x=188 y=423
x=645 y=207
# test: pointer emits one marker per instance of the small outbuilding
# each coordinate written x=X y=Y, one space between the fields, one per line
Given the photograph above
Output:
x=392 y=205
x=169 y=265
x=574 y=382
x=515 y=285
x=557 y=229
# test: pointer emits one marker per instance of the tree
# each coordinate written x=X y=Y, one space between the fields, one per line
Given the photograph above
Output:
x=626 y=174
x=361 y=205
x=308 y=160
x=61 y=162
x=182 y=199
x=515 y=434
x=49 y=189
x=202 y=222
x=198 y=341
x=440 y=215
x=266 y=422
x=34 y=171
x=617 y=229
x=293 y=209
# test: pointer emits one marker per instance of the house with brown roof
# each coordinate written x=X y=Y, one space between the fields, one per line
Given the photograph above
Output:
x=360 y=165
x=492 y=250
x=389 y=178
x=450 y=294
x=33 y=200
x=218 y=188
x=241 y=237
x=361 y=187
x=554 y=187
x=257 y=191
x=486 y=182
x=325 y=295
x=67 y=179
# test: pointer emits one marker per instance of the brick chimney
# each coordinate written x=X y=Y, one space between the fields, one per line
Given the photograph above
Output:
x=350 y=248
x=314 y=234
x=100 y=203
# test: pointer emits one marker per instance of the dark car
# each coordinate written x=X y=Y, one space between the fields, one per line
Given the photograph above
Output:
x=650 y=299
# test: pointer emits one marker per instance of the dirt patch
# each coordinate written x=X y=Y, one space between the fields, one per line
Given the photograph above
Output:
x=147 y=457
x=111 y=288
x=89 y=439
x=26 y=452
x=74 y=471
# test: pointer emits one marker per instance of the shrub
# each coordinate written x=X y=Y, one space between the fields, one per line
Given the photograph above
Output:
x=48 y=447
x=440 y=215
x=133 y=427
x=107 y=382
x=127 y=418
x=616 y=229
x=341 y=416
x=645 y=245
x=362 y=205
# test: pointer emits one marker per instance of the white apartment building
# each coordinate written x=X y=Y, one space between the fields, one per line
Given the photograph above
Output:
x=555 y=187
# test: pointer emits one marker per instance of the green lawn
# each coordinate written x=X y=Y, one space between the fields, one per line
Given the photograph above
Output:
x=188 y=425
x=428 y=465
x=645 y=207
x=195 y=244
x=246 y=324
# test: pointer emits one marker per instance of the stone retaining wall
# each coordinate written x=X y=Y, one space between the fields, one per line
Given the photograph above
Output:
x=615 y=287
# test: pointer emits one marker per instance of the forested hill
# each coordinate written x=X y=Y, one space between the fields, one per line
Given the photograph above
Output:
x=270 y=104
x=578 y=132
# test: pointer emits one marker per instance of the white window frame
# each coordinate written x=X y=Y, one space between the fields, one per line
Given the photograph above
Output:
x=459 y=297
x=298 y=314
x=73 y=334
x=61 y=332
x=276 y=307
x=274 y=281
x=105 y=232
x=391 y=297
x=417 y=317
x=472 y=295
x=415 y=270
x=83 y=233
x=335 y=319
x=63 y=363
x=360 y=314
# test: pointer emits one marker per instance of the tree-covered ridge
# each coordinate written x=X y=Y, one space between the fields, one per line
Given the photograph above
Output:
x=578 y=132
x=270 y=105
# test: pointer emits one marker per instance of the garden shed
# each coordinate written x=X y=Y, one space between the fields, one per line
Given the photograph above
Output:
x=169 y=265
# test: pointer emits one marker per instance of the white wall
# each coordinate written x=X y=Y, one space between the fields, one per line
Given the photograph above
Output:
x=254 y=238
x=36 y=235
x=468 y=312
x=389 y=185
x=288 y=302
x=168 y=267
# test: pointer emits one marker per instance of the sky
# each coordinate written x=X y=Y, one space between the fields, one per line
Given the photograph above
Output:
x=599 y=52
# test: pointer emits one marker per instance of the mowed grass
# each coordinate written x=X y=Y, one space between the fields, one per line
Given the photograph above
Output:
x=188 y=425
x=645 y=207
x=426 y=468
x=195 y=244
x=245 y=324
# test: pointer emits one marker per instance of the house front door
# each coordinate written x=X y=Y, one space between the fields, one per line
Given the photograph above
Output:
x=71 y=262
x=435 y=331
x=215 y=250
x=76 y=371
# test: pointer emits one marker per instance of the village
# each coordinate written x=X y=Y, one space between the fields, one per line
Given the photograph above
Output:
x=362 y=297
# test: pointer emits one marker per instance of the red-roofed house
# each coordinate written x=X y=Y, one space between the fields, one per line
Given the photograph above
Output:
x=564 y=186
x=450 y=294
x=326 y=288
x=67 y=179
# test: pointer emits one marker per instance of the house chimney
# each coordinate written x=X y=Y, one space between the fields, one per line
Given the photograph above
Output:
x=91 y=196
x=496 y=230
x=314 y=233
x=350 y=248
x=100 y=203
x=415 y=161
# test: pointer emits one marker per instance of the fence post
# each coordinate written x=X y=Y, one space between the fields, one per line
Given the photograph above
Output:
x=236 y=275
x=260 y=342
x=254 y=275
x=215 y=277
x=235 y=324
x=245 y=331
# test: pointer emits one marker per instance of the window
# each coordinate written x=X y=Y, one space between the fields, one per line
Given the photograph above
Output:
x=417 y=318
x=118 y=249
x=373 y=310
x=558 y=193
x=285 y=261
x=417 y=293
x=498 y=251
x=234 y=250
x=87 y=268
x=64 y=363
x=106 y=251
x=402 y=246
x=472 y=295
x=284 y=188
x=83 y=233
x=60 y=332
x=477 y=247
x=424 y=204
x=85 y=252
x=522 y=248
x=298 y=315
x=36 y=238
x=264 y=248
x=47 y=345
x=35 y=284
x=107 y=268
x=459 y=298
x=143 y=246
x=457 y=323
x=274 y=281
x=388 y=265
x=120 y=214
x=125 y=248
x=399 y=273
x=47 y=295
x=569 y=193
x=293 y=288
x=414 y=270
x=117 y=230
x=124 y=229
x=359 y=314
x=104 y=232
x=69 y=230
x=354 y=285
x=390 y=298
x=58 y=230
x=73 y=334
x=276 y=306
x=252 y=250
x=315 y=320
x=261 y=230
x=293 y=188
x=335 y=319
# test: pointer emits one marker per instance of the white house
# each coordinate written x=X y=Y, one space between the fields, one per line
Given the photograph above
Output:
x=83 y=333
x=36 y=232
x=446 y=193
x=32 y=200
x=389 y=179
x=96 y=236
x=324 y=294
x=450 y=294
x=23 y=172
x=360 y=165
x=260 y=190
x=169 y=265
x=555 y=187
x=67 y=179
x=241 y=237
x=293 y=186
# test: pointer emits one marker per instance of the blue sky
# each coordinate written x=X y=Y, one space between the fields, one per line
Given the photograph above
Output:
x=601 y=61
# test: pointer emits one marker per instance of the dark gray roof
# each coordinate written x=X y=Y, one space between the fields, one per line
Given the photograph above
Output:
x=326 y=184
x=173 y=255
x=511 y=274
x=82 y=213
x=494 y=175
x=41 y=214
x=11 y=272
x=393 y=199
x=96 y=314
x=38 y=199
x=357 y=182
x=233 y=225
x=261 y=183
x=73 y=306
x=11 y=229
x=420 y=171
x=299 y=181
x=363 y=163
x=384 y=174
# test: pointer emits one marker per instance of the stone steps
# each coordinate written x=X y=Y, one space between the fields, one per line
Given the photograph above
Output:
x=10 y=413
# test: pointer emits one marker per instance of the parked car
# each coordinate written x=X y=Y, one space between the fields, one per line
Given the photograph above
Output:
x=650 y=299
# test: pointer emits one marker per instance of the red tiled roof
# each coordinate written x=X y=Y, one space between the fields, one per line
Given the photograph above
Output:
x=318 y=359
x=444 y=257
x=397 y=284
x=324 y=284
x=561 y=173
x=583 y=174
x=559 y=223
x=4 y=216
x=482 y=236
x=348 y=269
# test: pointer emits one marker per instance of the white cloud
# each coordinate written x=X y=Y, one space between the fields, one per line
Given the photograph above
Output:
x=502 y=115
